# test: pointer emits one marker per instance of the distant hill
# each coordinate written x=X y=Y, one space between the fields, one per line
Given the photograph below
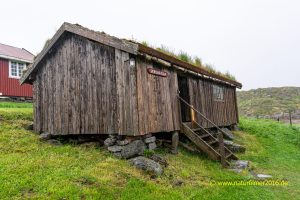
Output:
x=269 y=101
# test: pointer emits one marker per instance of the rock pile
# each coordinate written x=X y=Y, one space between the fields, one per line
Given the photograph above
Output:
x=234 y=147
x=227 y=134
x=47 y=137
x=133 y=148
x=129 y=147
x=239 y=165
x=148 y=165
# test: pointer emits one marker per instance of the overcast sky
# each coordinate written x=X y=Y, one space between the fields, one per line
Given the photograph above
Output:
x=256 y=40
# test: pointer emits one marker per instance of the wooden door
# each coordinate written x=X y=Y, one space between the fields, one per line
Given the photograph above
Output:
x=184 y=94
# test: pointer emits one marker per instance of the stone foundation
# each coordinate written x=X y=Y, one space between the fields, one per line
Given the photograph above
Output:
x=128 y=147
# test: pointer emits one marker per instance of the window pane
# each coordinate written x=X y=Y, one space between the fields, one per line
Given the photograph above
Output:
x=21 y=67
x=13 y=68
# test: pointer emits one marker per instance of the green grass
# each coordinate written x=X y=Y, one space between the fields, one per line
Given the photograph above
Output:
x=6 y=104
x=31 y=169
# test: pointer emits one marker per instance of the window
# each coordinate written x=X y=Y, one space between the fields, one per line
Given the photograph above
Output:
x=16 y=69
x=218 y=93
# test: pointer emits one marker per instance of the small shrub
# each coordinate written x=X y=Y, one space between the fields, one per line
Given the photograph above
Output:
x=210 y=68
x=197 y=61
x=166 y=50
x=189 y=59
x=230 y=76
x=145 y=43
x=185 y=57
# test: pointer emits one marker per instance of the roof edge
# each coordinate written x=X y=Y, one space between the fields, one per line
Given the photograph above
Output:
x=41 y=55
x=155 y=53
x=125 y=45
x=15 y=58
x=84 y=32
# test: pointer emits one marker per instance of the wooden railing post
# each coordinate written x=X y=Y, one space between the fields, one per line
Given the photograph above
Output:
x=193 y=116
x=222 y=149
x=209 y=121
x=290 y=117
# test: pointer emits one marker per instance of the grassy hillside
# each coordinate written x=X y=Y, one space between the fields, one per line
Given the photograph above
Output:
x=31 y=169
x=268 y=101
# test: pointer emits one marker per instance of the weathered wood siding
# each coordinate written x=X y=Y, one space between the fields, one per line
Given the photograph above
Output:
x=75 y=89
x=127 y=116
x=222 y=113
x=84 y=87
x=157 y=103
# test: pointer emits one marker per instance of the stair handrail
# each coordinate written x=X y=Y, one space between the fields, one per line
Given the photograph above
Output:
x=216 y=126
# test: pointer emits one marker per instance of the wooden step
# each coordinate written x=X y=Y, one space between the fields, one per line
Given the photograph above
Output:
x=197 y=129
x=205 y=135
x=207 y=143
x=212 y=142
x=230 y=154
x=199 y=142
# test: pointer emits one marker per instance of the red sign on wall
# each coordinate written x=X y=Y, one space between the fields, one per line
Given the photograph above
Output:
x=157 y=72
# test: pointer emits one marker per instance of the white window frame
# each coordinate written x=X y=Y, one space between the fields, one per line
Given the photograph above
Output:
x=19 y=64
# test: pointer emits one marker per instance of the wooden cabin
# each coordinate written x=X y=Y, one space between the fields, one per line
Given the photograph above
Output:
x=88 y=82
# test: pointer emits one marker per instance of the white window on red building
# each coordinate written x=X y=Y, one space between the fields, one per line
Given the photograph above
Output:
x=16 y=69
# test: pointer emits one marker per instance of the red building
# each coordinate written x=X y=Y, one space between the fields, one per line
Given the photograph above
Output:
x=13 y=61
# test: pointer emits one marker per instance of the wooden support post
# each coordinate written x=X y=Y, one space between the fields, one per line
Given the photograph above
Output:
x=222 y=149
x=175 y=141
x=290 y=116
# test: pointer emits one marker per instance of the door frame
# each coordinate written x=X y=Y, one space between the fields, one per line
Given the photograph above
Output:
x=183 y=88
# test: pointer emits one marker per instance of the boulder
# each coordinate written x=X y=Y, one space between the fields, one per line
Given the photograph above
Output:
x=147 y=165
x=45 y=136
x=118 y=155
x=234 y=147
x=240 y=164
x=149 y=139
x=132 y=149
x=110 y=141
x=123 y=142
x=152 y=146
x=159 y=159
x=228 y=143
x=114 y=148
x=227 y=134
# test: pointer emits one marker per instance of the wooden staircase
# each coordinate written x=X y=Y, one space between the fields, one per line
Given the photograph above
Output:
x=205 y=140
